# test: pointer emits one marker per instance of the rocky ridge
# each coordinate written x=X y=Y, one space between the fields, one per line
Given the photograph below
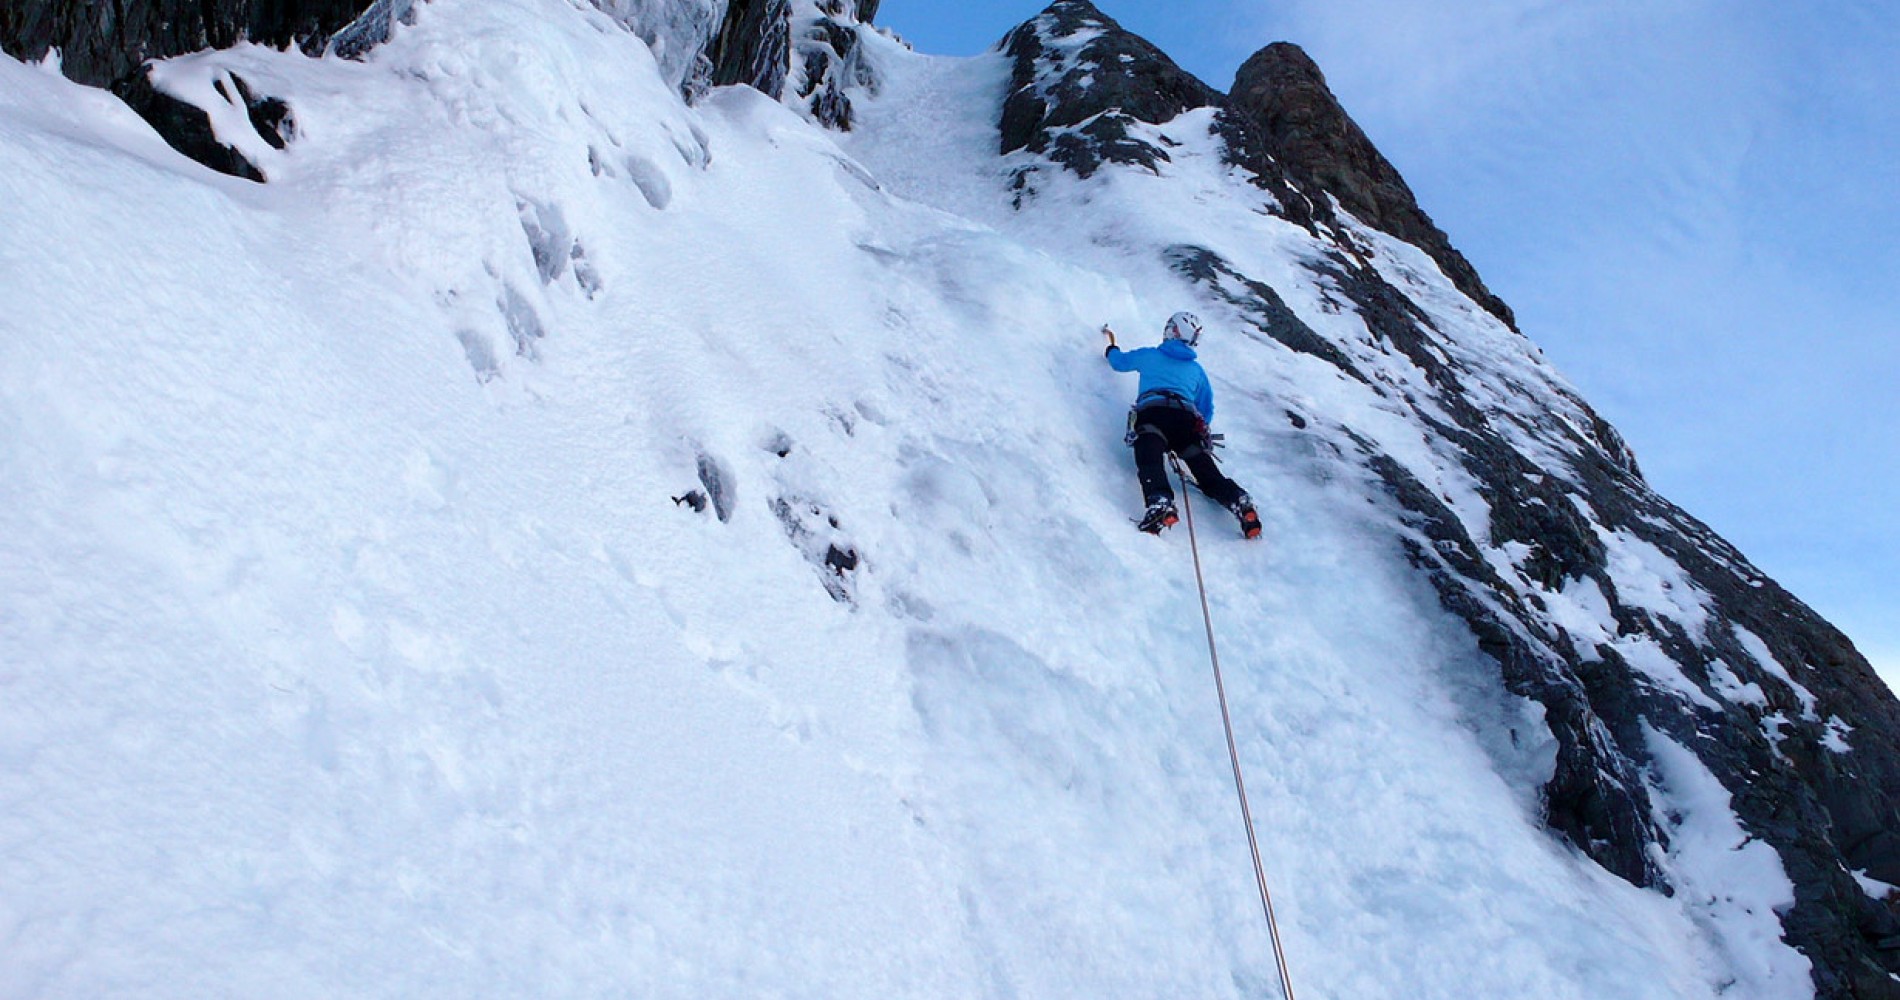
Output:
x=1302 y=125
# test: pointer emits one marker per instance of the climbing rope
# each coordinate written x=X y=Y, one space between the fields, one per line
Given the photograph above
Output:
x=1233 y=751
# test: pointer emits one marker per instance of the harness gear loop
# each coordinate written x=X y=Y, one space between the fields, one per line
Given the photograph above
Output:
x=1233 y=751
x=1137 y=428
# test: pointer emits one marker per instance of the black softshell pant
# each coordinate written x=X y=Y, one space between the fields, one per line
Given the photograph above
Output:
x=1163 y=429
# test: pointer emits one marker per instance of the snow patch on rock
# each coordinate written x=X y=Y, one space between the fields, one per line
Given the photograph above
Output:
x=1732 y=882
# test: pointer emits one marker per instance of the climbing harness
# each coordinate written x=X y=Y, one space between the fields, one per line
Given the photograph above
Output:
x=1154 y=399
x=1168 y=400
x=1233 y=751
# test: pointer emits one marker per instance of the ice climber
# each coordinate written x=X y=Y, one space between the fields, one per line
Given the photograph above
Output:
x=1172 y=409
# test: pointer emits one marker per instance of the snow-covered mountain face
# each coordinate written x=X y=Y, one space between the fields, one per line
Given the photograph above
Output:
x=353 y=641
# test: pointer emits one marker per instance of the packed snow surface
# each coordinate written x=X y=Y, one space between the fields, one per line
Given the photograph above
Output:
x=352 y=644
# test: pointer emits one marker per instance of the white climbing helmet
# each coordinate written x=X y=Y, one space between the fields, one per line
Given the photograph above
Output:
x=1184 y=327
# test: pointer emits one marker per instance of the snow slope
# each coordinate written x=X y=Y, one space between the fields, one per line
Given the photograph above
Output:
x=351 y=644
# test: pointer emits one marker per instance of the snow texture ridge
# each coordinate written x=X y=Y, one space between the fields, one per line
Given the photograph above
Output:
x=559 y=538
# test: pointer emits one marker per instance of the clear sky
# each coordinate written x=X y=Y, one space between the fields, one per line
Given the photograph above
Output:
x=1693 y=205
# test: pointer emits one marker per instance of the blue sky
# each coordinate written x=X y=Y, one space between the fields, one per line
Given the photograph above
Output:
x=1693 y=205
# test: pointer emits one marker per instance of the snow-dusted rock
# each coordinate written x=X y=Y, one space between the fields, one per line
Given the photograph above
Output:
x=1079 y=82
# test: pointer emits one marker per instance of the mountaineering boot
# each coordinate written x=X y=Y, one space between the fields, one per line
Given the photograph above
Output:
x=1249 y=521
x=1160 y=514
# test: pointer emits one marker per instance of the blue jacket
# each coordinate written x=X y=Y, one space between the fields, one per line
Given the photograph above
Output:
x=1168 y=368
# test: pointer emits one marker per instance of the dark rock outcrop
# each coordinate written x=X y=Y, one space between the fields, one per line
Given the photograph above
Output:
x=108 y=44
x=831 y=67
x=377 y=22
x=1077 y=103
x=102 y=44
x=187 y=127
x=1281 y=90
x=761 y=45
x=754 y=46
